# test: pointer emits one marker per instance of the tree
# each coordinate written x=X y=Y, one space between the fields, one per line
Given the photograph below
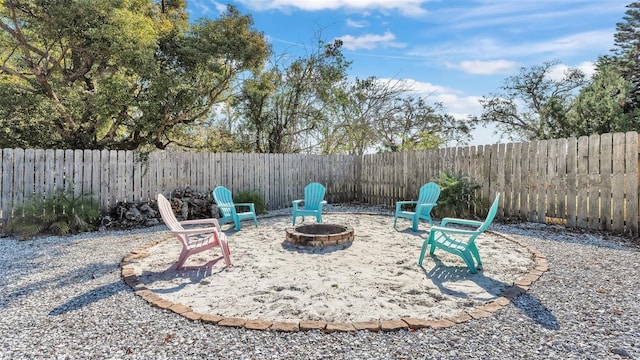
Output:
x=354 y=112
x=379 y=114
x=284 y=104
x=413 y=124
x=611 y=101
x=604 y=105
x=627 y=52
x=533 y=105
x=116 y=74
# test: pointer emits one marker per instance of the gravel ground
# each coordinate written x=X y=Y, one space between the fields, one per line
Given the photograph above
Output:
x=63 y=298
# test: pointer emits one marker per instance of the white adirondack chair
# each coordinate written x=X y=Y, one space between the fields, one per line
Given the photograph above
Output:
x=193 y=240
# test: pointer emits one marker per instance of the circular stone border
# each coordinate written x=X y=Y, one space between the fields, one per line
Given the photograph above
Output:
x=519 y=287
x=295 y=237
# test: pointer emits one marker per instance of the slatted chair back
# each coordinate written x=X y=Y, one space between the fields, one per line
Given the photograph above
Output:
x=193 y=240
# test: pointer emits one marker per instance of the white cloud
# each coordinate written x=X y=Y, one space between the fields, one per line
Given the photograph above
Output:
x=453 y=100
x=572 y=44
x=370 y=41
x=203 y=8
x=485 y=67
x=558 y=71
x=357 y=24
x=486 y=47
x=405 y=7
x=460 y=106
x=220 y=6
x=455 y=104
x=424 y=88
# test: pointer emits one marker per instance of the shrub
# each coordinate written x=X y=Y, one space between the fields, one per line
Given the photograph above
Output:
x=459 y=197
x=251 y=197
x=59 y=213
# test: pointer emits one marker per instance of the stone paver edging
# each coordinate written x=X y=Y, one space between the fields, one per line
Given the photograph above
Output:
x=519 y=287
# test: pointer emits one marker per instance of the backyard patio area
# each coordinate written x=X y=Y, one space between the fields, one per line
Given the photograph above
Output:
x=65 y=297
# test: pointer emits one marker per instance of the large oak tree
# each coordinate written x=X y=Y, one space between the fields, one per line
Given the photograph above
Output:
x=116 y=74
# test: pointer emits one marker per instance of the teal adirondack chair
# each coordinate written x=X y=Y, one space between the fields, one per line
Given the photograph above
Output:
x=313 y=202
x=229 y=209
x=427 y=199
x=440 y=237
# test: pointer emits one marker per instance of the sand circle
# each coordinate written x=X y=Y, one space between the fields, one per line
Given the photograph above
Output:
x=375 y=277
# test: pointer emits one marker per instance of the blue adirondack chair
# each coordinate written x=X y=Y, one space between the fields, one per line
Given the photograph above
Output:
x=463 y=244
x=311 y=204
x=229 y=209
x=427 y=199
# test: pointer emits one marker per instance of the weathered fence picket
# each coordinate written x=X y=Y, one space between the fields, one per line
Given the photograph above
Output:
x=590 y=182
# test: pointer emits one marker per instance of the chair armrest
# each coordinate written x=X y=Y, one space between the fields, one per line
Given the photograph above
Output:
x=243 y=204
x=199 y=221
x=215 y=222
x=251 y=206
x=418 y=206
x=399 y=204
x=296 y=203
x=207 y=230
x=452 y=230
x=445 y=221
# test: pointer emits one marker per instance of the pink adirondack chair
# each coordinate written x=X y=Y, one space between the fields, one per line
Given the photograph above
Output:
x=193 y=240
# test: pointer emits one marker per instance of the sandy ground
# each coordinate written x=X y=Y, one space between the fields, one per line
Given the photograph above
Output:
x=375 y=278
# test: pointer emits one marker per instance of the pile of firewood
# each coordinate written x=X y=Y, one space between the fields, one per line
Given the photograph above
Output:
x=186 y=204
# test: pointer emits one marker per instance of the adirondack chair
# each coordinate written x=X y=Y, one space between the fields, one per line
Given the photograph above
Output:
x=463 y=244
x=193 y=240
x=427 y=200
x=229 y=209
x=312 y=203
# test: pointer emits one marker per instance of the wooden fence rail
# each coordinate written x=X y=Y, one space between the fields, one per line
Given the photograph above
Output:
x=587 y=182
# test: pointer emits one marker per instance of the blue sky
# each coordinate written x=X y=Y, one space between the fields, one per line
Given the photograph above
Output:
x=454 y=50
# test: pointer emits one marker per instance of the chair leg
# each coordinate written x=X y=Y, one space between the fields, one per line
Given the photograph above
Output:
x=319 y=218
x=395 y=220
x=184 y=254
x=425 y=244
x=474 y=251
x=468 y=259
x=226 y=253
x=236 y=222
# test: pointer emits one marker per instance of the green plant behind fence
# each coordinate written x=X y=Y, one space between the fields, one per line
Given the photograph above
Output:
x=59 y=213
x=251 y=197
x=459 y=197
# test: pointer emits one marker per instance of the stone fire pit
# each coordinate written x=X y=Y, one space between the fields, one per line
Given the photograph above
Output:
x=319 y=235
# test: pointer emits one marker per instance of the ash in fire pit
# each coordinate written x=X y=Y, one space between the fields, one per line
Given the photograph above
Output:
x=319 y=235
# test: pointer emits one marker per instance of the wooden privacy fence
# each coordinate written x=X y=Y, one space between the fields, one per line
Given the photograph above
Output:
x=126 y=176
x=587 y=182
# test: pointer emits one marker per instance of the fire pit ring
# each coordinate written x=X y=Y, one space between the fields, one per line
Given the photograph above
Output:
x=319 y=235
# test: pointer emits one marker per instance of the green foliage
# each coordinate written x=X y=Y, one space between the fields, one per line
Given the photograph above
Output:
x=533 y=105
x=59 y=213
x=250 y=197
x=611 y=102
x=605 y=106
x=282 y=107
x=376 y=113
x=116 y=74
x=459 y=197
